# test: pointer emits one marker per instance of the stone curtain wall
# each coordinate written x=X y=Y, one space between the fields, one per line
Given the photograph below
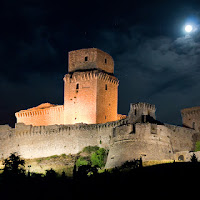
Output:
x=41 y=141
x=182 y=139
x=125 y=141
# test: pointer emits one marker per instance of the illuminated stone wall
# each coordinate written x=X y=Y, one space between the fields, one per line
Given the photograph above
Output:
x=42 y=115
x=90 y=97
x=80 y=98
x=107 y=98
x=91 y=58
x=149 y=141
x=42 y=141
x=90 y=93
x=125 y=141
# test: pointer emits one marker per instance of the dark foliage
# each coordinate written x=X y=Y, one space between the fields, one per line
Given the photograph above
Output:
x=13 y=165
x=194 y=158
x=126 y=181
x=132 y=164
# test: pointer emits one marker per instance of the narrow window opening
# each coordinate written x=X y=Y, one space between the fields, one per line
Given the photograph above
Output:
x=106 y=87
x=193 y=125
x=105 y=117
x=77 y=86
x=86 y=58
x=105 y=60
x=135 y=112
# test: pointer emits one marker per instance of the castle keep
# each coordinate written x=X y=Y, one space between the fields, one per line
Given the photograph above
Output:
x=89 y=117
x=90 y=93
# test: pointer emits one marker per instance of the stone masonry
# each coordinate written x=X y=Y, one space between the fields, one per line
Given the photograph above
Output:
x=89 y=117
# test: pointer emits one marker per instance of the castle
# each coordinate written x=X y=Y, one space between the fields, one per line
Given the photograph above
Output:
x=90 y=93
x=89 y=117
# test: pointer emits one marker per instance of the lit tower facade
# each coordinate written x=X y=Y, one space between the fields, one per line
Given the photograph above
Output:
x=90 y=88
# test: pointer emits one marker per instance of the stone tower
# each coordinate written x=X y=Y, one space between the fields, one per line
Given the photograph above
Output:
x=90 y=88
x=190 y=118
x=139 y=112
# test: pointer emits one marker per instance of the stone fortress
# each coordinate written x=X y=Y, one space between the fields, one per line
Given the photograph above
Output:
x=89 y=117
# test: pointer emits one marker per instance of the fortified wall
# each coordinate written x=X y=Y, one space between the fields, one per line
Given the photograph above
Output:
x=89 y=117
x=42 y=141
x=125 y=139
x=149 y=141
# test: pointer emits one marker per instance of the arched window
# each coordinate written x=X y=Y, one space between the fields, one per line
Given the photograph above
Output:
x=77 y=86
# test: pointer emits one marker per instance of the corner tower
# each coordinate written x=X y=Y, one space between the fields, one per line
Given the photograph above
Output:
x=90 y=88
x=190 y=118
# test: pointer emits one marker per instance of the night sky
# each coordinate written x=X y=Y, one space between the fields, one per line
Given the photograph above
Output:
x=155 y=61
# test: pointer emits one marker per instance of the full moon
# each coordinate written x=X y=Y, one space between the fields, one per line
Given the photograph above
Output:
x=188 y=28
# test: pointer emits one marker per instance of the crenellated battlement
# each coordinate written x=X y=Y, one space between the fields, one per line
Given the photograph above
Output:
x=190 y=111
x=44 y=114
x=23 y=130
x=36 y=112
x=190 y=117
x=89 y=117
x=90 y=75
x=142 y=105
x=138 y=110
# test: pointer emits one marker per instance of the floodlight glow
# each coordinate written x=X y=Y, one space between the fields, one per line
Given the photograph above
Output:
x=188 y=28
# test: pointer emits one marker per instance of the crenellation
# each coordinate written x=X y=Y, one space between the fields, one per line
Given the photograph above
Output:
x=89 y=117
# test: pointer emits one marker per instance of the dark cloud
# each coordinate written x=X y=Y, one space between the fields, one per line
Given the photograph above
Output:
x=154 y=61
x=160 y=70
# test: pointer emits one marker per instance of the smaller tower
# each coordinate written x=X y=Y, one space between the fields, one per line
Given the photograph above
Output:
x=191 y=118
x=141 y=112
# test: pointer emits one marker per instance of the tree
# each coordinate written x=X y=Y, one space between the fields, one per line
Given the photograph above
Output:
x=194 y=158
x=98 y=158
x=14 y=165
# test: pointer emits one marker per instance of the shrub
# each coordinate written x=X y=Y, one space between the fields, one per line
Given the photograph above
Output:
x=81 y=161
x=197 y=146
x=98 y=157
